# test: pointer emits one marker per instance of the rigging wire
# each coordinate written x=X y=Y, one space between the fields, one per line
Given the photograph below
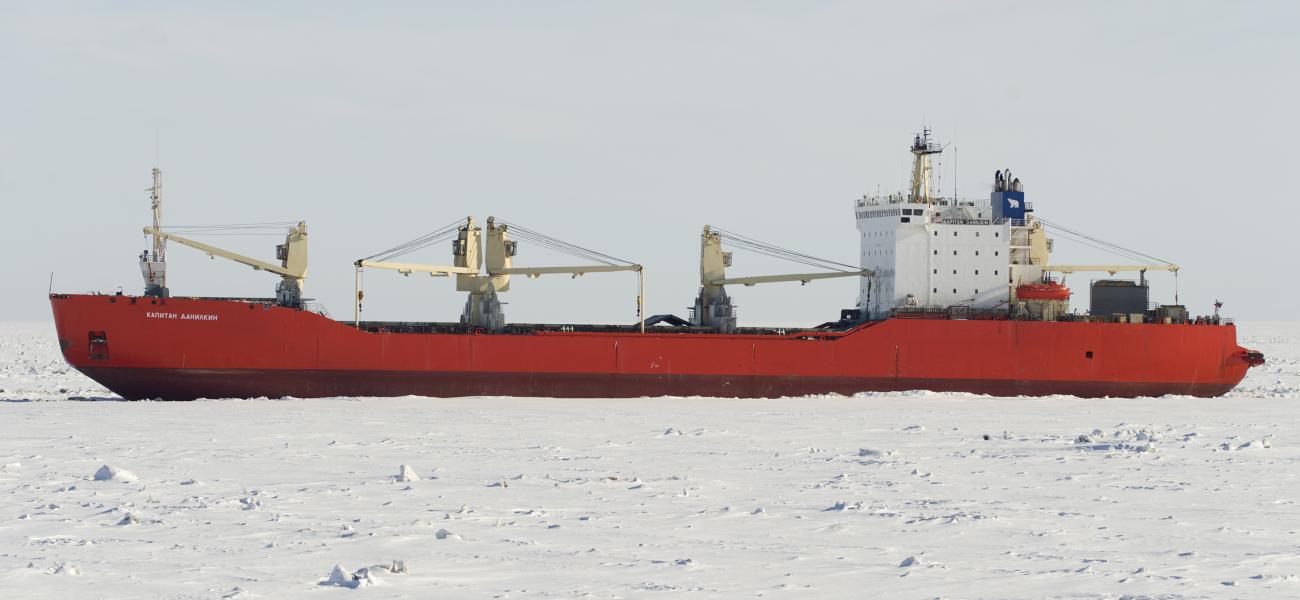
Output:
x=209 y=234
x=1109 y=250
x=439 y=235
x=772 y=247
x=264 y=225
x=558 y=245
x=772 y=250
x=1108 y=246
x=269 y=228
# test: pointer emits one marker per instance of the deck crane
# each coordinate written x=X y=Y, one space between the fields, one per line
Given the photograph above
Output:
x=501 y=251
x=713 y=306
x=483 y=269
x=465 y=257
x=292 y=254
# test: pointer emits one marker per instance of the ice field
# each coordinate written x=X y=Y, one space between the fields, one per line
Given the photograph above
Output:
x=913 y=495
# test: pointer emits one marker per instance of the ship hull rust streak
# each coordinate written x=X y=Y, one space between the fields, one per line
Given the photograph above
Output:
x=234 y=348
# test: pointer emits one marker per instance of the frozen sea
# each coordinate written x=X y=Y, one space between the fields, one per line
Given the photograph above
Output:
x=907 y=495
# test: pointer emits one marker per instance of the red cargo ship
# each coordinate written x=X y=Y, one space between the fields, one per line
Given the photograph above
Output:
x=185 y=348
x=908 y=331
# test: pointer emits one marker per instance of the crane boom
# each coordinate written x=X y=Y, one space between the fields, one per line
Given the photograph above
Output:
x=408 y=268
x=499 y=263
x=580 y=270
x=1112 y=269
x=800 y=277
x=226 y=254
x=713 y=307
x=292 y=254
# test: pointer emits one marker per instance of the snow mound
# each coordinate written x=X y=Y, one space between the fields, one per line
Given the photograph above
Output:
x=1137 y=440
x=367 y=576
x=340 y=577
x=842 y=506
x=363 y=577
x=443 y=534
x=1251 y=445
x=111 y=473
x=406 y=473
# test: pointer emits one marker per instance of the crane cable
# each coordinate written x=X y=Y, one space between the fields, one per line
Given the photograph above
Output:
x=561 y=246
x=230 y=229
x=439 y=235
x=774 y=251
x=1101 y=244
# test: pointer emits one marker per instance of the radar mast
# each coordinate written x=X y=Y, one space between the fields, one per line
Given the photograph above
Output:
x=922 y=148
x=153 y=266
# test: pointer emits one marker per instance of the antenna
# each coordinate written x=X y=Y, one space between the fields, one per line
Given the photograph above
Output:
x=153 y=265
x=954 y=168
x=155 y=197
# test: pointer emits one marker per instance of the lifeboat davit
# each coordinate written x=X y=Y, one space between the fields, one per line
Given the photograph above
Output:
x=1043 y=291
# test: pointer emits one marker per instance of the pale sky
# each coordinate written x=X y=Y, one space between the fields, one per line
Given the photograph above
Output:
x=1167 y=127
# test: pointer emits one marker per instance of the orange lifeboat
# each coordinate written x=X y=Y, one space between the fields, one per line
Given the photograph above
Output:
x=1043 y=291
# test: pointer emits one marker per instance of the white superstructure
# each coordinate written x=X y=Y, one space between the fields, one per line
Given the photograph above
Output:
x=931 y=252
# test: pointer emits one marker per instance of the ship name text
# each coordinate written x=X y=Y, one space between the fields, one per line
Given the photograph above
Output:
x=181 y=316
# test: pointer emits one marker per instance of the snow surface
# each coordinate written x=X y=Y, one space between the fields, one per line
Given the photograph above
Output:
x=880 y=495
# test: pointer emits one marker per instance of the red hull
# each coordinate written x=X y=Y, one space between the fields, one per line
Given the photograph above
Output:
x=185 y=348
